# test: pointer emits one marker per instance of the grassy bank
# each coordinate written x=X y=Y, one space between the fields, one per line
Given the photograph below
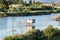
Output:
x=29 y=13
x=35 y=34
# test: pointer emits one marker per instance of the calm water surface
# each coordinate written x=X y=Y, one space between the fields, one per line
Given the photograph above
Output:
x=41 y=22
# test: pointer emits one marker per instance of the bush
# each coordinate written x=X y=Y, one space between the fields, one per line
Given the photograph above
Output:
x=48 y=7
x=30 y=35
x=52 y=34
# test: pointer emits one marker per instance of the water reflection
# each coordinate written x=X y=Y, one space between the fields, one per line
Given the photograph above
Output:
x=41 y=22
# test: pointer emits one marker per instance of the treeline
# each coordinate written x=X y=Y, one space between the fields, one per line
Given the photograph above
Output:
x=5 y=3
x=49 y=33
x=32 y=5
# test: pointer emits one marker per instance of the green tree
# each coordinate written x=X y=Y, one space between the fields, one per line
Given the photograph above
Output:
x=30 y=35
x=30 y=2
x=34 y=2
x=49 y=31
x=1 y=3
x=48 y=7
x=20 y=1
x=27 y=10
x=34 y=35
x=5 y=4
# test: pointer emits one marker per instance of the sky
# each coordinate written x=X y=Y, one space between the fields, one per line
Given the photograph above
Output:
x=43 y=0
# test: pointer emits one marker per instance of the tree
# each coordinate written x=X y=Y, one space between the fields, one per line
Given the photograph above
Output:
x=48 y=7
x=30 y=2
x=27 y=10
x=34 y=35
x=30 y=35
x=49 y=31
x=34 y=2
x=1 y=3
x=20 y=1
x=5 y=4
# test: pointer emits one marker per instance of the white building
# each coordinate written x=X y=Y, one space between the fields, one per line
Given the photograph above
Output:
x=15 y=5
x=47 y=4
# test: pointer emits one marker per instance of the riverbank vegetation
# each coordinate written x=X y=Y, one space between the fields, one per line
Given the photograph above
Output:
x=49 y=33
x=22 y=8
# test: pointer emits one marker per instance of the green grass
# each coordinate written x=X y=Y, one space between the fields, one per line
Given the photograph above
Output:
x=57 y=37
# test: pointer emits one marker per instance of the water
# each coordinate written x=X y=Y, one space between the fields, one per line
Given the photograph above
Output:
x=41 y=22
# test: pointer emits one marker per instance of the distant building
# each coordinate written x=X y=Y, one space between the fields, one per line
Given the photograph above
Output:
x=15 y=5
x=57 y=3
x=48 y=4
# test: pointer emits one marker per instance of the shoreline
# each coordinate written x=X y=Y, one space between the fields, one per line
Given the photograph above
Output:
x=7 y=14
x=27 y=14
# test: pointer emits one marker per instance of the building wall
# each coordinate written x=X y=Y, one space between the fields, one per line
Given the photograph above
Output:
x=47 y=4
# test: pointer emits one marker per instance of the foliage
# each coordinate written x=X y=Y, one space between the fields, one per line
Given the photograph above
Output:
x=26 y=10
x=1 y=3
x=48 y=7
x=57 y=32
x=56 y=36
x=49 y=31
x=30 y=35
x=20 y=1
x=30 y=2
x=34 y=2
x=5 y=3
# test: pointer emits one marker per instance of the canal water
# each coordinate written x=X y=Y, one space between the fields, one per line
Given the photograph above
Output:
x=19 y=23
